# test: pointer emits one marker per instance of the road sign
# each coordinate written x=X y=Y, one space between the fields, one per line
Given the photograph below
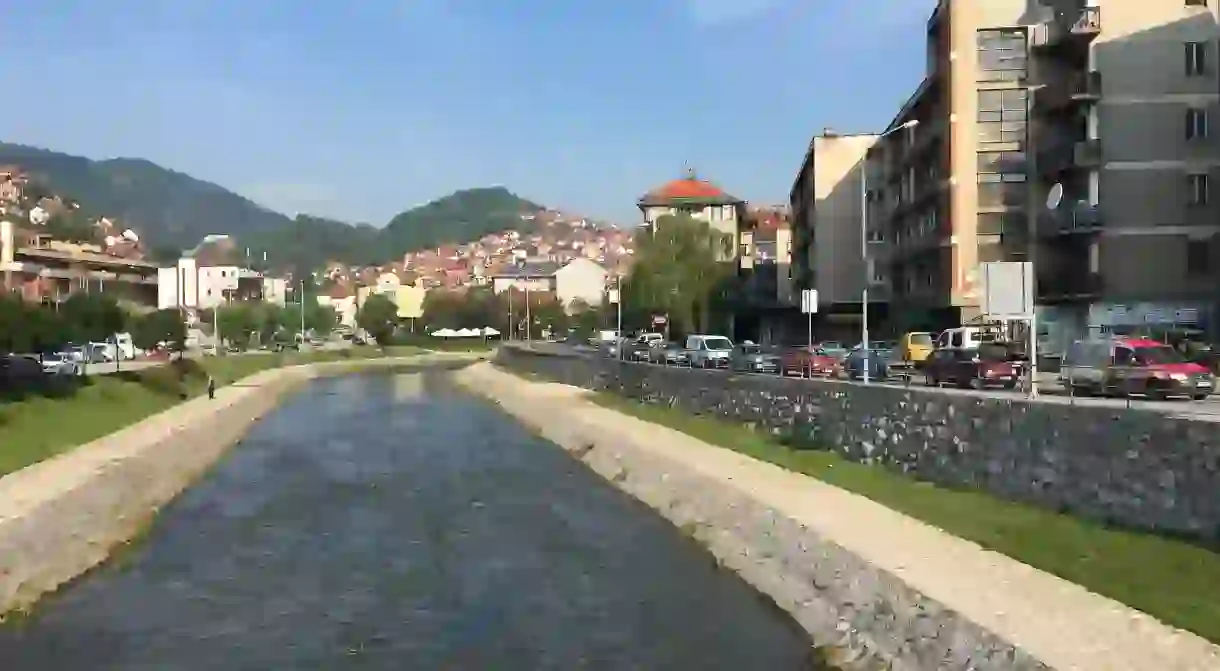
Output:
x=809 y=301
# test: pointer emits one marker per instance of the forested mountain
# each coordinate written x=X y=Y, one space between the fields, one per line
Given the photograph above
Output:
x=172 y=209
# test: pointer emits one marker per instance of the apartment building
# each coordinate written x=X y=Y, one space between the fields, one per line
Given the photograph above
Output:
x=1111 y=100
x=697 y=198
x=826 y=200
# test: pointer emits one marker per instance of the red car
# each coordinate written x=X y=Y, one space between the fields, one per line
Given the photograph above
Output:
x=806 y=362
x=986 y=366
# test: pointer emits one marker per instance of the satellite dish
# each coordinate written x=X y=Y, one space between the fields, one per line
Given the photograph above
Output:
x=1054 y=196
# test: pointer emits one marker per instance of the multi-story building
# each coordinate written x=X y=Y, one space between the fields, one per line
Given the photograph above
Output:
x=697 y=198
x=826 y=200
x=575 y=282
x=192 y=286
x=767 y=289
x=1111 y=100
x=48 y=271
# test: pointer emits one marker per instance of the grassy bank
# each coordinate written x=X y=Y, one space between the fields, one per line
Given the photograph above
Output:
x=37 y=426
x=1175 y=582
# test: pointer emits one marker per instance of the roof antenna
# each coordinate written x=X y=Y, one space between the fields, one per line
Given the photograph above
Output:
x=690 y=172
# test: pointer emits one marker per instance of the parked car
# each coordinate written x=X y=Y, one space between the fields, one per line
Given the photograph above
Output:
x=669 y=354
x=283 y=345
x=19 y=371
x=877 y=362
x=709 y=351
x=981 y=367
x=806 y=362
x=638 y=350
x=1133 y=366
x=753 y=358
x=60 y=364
x=914 y=349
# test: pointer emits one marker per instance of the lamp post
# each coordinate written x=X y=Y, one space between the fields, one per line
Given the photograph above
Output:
x=866 y=359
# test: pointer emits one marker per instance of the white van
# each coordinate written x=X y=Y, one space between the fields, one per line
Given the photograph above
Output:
x=709 y=351
x=124 y=346
x=964 y=337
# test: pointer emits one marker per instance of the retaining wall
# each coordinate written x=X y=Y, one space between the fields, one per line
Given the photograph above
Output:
x=858 y=615
x=63 y=516
x=1136 y=468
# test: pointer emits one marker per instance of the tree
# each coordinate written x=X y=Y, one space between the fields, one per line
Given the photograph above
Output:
x=161 y=326
x=680 y=269
x=92 y=317
x=237 y=323
x=378 y=316
x=585 y=319
x=71 y=225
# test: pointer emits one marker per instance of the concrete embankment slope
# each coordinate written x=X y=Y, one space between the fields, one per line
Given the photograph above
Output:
x=61 y=517
x=860 y=578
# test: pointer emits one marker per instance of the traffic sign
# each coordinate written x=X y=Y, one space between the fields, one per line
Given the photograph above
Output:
x=809 y=301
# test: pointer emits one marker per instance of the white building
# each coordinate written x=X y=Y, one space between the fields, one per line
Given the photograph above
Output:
x=579 y=279
x=192 y=286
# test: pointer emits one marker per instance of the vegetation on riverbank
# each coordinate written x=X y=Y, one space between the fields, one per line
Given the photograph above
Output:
x=1174 y=581
x=40 y=425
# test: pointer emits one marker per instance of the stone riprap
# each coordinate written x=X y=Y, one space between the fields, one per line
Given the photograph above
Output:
x=1134 y=468
x=63 y=516
x=876 y=588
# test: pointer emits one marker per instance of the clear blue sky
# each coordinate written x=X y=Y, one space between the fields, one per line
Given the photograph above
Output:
x=361 y=109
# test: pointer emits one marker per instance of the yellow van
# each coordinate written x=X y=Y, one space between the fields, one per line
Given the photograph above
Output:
x=914 y=348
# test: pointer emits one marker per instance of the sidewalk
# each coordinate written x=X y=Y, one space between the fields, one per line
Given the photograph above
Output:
x=1060 y=623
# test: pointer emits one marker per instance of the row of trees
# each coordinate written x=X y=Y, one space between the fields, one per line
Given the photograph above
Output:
x=241 y=324
x=512 y=312
x=41 y=329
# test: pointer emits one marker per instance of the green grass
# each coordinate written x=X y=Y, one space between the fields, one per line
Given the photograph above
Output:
x=1176 y=582
x=39 y=426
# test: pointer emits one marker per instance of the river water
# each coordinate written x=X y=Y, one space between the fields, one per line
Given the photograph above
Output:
x=392 y=522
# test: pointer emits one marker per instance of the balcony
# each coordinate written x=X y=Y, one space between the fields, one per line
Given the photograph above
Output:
x=1069 y=286
x=1064 y=156
x=1068 y=94
x=1080 y=219
x=1068 y=30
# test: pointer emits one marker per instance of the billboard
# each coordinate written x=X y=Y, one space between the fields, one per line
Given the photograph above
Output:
x=1006 y=289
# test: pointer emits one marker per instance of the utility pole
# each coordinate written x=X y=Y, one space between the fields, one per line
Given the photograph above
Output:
x=529 y=331
x=302 y=309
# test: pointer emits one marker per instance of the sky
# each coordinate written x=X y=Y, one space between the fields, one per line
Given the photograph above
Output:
x=359 y=110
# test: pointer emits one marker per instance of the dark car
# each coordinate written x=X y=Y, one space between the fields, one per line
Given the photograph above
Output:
x=637 y=351
x=669 y=354
x=986 y=366
x=878 y=365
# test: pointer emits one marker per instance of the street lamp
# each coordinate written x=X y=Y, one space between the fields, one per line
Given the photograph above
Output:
x=866 y=359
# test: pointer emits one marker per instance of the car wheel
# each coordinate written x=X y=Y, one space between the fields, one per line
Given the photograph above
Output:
x=1200 y=397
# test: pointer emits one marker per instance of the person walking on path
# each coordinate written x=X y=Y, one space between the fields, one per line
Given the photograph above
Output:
x=211 y=387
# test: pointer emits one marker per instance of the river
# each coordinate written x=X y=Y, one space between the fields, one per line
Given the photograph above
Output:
x=393 y=522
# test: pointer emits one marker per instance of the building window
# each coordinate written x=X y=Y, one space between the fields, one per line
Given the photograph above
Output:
x=1196 y=123
x=1196 y=59
x=1196 y=3
x=1001 y=161
x=1001 y=55
x=1198 y=190
x=1198 y=261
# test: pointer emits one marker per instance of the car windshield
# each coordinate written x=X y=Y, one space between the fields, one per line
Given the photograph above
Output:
x=751 y=349
x=718 y=343
x=1152 y=356
x=921 y=339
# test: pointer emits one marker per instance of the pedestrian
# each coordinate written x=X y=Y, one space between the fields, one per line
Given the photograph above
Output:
x=211 y=387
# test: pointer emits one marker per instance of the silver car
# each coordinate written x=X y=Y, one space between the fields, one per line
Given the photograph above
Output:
x=60 y=364
x=751 y=358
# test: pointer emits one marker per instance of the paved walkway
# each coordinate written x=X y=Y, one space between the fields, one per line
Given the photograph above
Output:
x=1060 y=623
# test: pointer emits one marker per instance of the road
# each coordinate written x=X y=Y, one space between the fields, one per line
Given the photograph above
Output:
x=1049 y=389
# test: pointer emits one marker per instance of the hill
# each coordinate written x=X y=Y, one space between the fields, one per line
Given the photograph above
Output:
x=174 y=210
x=461 y=216
x=169 y=208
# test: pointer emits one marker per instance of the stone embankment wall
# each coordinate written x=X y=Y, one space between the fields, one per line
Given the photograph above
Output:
x=1135 y=468
x=858 y=615
x=61 y=517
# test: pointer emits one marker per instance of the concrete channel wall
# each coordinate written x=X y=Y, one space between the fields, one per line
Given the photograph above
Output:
x=1130 y=467
x=63 y=516
x=857 y=615
x=874 y=589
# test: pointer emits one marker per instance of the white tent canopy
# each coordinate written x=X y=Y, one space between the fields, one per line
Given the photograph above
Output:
x=468 y=333
x=444 y=333
x=489 y=331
